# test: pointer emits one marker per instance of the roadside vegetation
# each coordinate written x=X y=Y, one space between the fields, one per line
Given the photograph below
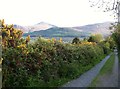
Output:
x=116 y=37
x=47 y=62
x=106 y=70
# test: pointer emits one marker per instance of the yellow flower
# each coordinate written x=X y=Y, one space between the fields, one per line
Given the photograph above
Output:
x=48 y=40
x=22 y=46
x=60 y=40
x=10 y=37
x=27 y=52
x=1 y=60
x=53 y=40
x=0 y=37
x=8 y=32
x=28 y=38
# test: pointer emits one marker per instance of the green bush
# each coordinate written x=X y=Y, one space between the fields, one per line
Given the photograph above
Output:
x=48 y=62
x=54 y=60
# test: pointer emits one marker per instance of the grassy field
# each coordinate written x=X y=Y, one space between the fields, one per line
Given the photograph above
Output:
x=107 y=69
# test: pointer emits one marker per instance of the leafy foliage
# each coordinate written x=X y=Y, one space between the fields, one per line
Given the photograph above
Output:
x=46 y=62
x=116 y=34
x=116 y=37
x=95 y=38
x=76 y=40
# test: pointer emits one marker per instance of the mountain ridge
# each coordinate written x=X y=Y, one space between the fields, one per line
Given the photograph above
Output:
x=55 y=32
x=86 y=30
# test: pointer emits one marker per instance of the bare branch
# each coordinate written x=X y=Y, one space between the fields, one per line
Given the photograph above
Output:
x=97 y=3
x=106 y=4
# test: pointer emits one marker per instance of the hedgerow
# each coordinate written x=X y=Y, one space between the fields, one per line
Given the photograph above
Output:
x=45 y=62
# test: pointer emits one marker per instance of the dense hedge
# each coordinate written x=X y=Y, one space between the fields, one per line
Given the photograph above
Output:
x=48 y=63
x=45 y=62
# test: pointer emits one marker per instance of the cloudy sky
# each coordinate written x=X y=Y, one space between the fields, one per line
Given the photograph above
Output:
x=57 y=12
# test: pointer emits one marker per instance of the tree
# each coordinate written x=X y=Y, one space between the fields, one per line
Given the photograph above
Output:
x=95 y=38
x=76 y=40
x=111 y=41
x=11 y=37
x=108 y=5
x=116 y=35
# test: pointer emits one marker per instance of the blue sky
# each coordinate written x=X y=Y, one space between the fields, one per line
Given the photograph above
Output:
x=57 y=12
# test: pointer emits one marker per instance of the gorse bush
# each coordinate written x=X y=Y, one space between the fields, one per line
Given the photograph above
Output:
x=46 y=62
x=14 y=50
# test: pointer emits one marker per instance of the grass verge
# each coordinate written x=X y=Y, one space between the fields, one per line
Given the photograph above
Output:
x=106 y=69
x=119 y=55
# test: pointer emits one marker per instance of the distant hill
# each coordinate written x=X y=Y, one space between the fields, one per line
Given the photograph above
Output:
x=23 y=28
x=56 y=32
x=40 y=26
x=102 y=28
x=48 y=30
x=36 y=27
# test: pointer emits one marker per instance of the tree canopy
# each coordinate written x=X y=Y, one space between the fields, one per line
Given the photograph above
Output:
x=95 y=38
